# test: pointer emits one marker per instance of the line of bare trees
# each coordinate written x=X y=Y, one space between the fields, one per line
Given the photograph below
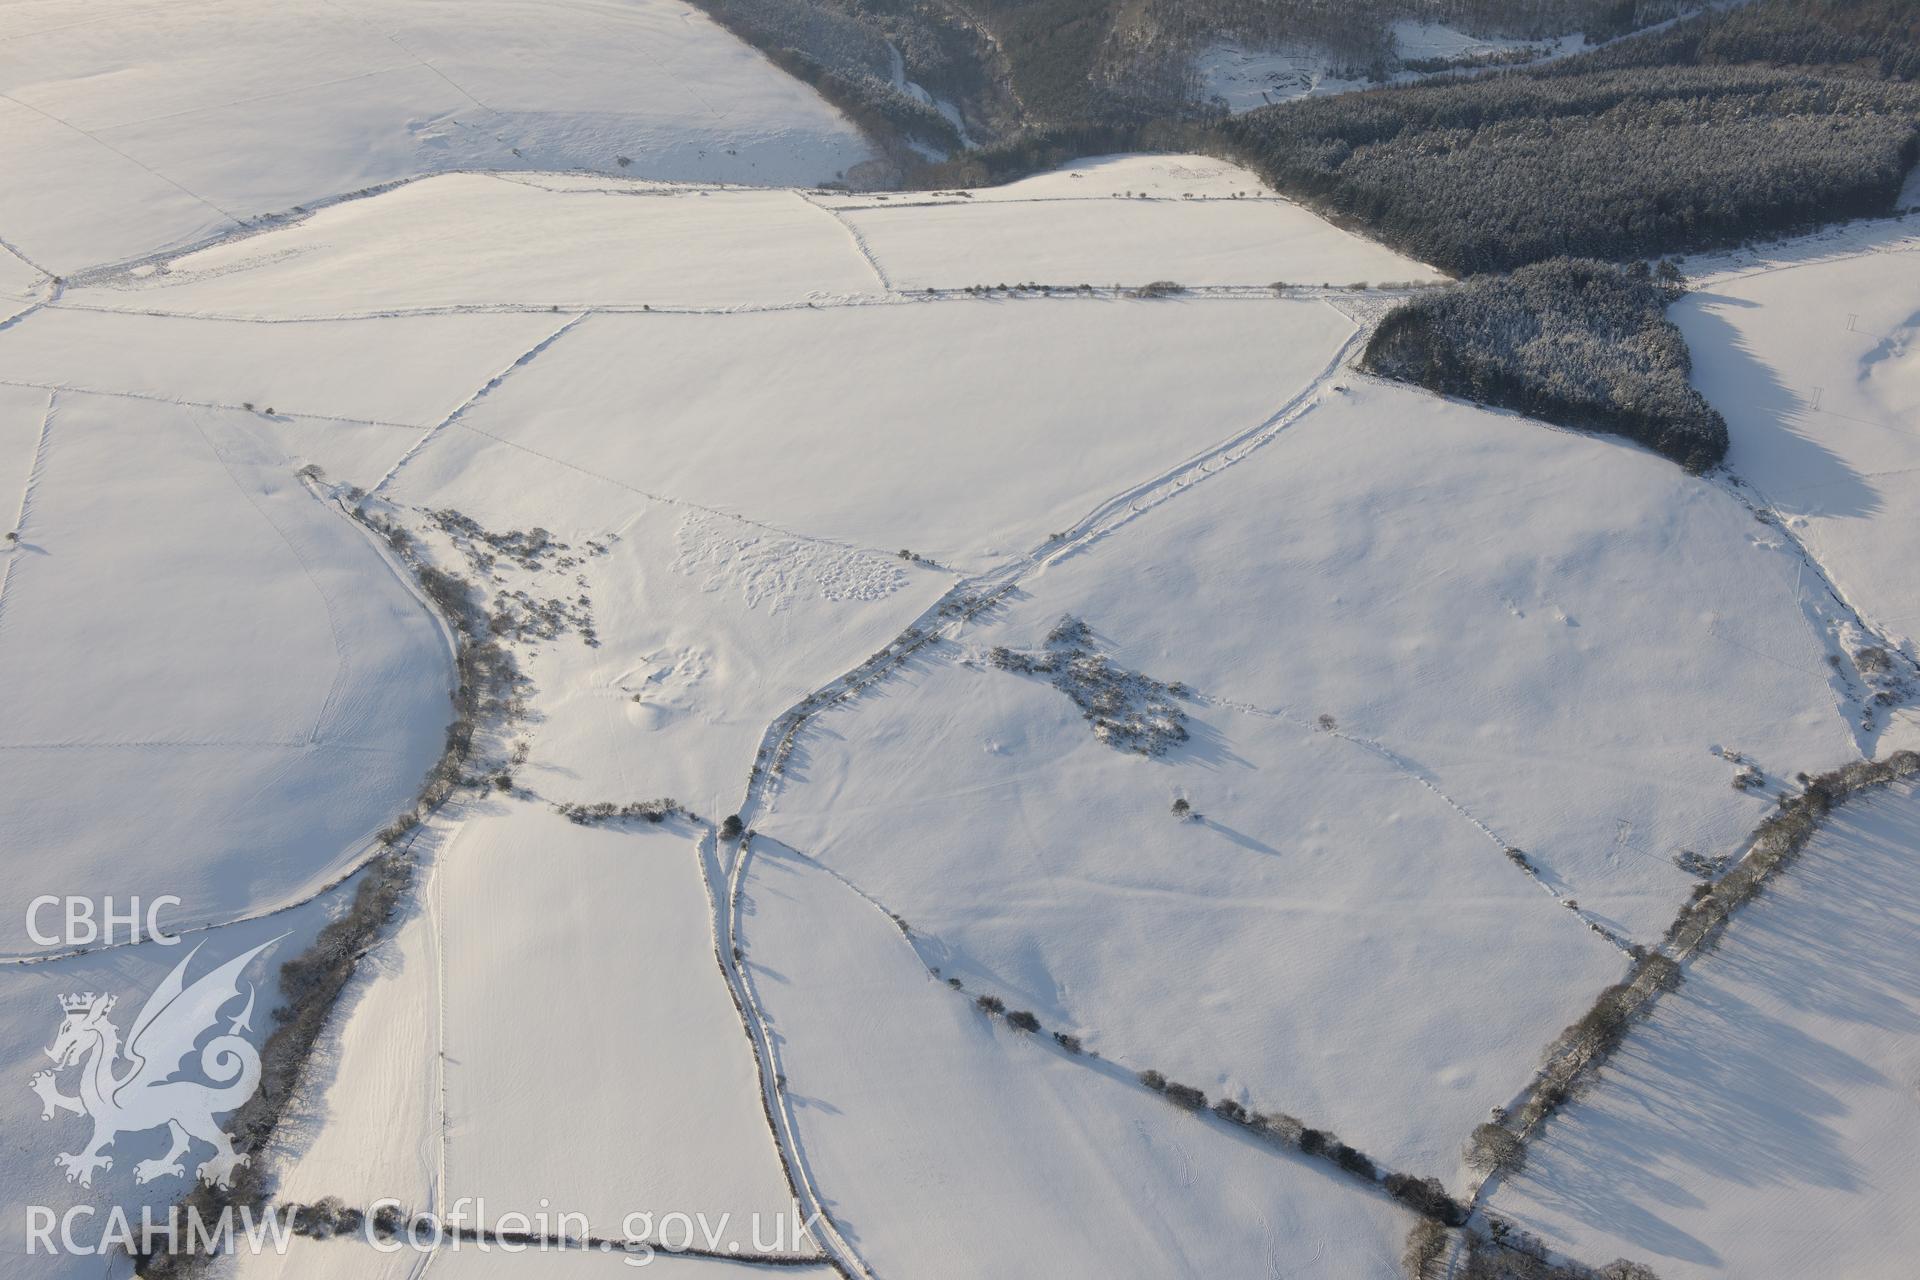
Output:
x=488 y=693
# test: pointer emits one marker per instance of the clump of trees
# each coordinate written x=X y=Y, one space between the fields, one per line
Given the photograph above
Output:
x=1492 y=172
x=1184 y=1096
x=1580 y=1049
x=1019 y=1019
x=1874 y=36
x=606 y=811
x=324 y=1219
x=519 y=614
x=1127 y=710
x=1427 y=1197
x=1777 y=842
x=1571 y=341
x=1495 y=1148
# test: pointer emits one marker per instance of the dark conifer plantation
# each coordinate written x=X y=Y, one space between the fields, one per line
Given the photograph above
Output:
x=1490 y=173
x=1575 y=342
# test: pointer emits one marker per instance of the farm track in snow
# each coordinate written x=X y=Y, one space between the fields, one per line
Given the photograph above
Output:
x=968 y=598
x=972 y=595
x=1410 y=769
x=1038 y=293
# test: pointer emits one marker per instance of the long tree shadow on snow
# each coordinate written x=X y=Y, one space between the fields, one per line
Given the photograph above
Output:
x=1728 y=1083
x=1769 y=420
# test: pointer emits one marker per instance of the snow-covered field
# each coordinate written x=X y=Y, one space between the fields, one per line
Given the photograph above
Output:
x=951 y=1146
x=751 y=491
x=1812 y=351
x=1317 y=943
x=30 y=1015
x=130 y=127
x=216 y=686
x=594 y=1059
x=900 y=425
x=1567 y=680
x=488 y=241
x=1216 y=241
x=1320 y=941
x=1762 y=1122
x=409 y=372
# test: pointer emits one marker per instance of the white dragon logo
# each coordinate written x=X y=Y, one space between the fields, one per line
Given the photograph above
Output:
x=148 y=1093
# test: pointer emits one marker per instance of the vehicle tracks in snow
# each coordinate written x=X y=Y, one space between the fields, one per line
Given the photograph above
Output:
x=975 y=594
x=1410 y=769
x=427 y=437
x=853 y=232
x=1830 y=614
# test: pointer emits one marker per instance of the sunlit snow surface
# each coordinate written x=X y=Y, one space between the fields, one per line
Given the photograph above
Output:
x=127 y=127
x=784 y=448
x=1761 y=1123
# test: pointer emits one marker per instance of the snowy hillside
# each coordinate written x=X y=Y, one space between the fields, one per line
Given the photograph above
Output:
x=960 y=718
x=202 y=651
x=132 y=128
x=1809 y=350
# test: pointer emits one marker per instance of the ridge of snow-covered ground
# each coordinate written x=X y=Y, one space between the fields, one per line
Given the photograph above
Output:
x=1459 y=690
x=1344 y=935
x=216 y=686
x=126 y=127
x=1809 y=349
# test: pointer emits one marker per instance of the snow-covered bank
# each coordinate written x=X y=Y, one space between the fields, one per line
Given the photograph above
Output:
x=216 y=687
x=1809 y=349
x=137 y=128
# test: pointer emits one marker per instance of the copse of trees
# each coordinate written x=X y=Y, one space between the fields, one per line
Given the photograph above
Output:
x=1120 y=61
x=1877 y=37
x=1019 y=68
x=1574 y=342
x=1494 y=172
